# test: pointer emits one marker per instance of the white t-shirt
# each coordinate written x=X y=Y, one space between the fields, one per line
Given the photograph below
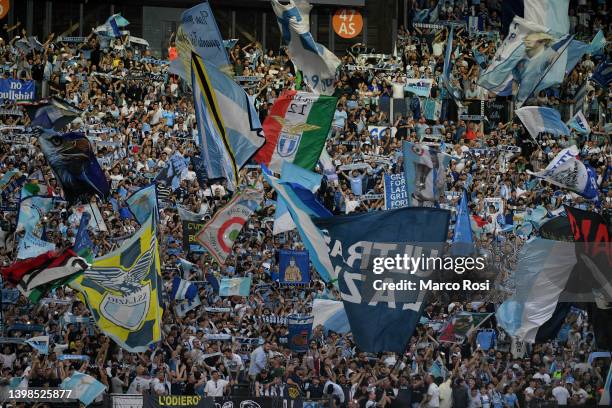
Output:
x=215 y=388
x=434 y=392
x=561 y=394
x=544 y=377
x=139 y=385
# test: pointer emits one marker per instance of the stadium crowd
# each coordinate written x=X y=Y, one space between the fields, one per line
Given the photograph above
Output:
x=138 y=115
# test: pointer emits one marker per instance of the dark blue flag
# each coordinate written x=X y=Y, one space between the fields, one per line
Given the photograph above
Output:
x=199 y=167
x=382 y=320
x=82 y=240
x=293 y=267
x=603 y=74
x=300 y=329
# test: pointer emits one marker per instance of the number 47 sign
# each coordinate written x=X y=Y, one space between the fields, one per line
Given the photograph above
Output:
x=347 y=23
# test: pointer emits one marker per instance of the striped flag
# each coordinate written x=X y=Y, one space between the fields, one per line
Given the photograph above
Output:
x=606 y=396
x=33 y=275
x=228 y=125
x=303 y=206
x=541 y=262
x=296 y=130
x=580 y=97
x=183 y=289
x=579 y=123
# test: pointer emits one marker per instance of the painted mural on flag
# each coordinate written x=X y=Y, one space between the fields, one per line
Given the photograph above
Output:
x=424 y=170
x=300 y=329
x=219 y=234
x=296 y=130
x=396 y=195
x=419 y=86
x=382 y=320
x=293 y=267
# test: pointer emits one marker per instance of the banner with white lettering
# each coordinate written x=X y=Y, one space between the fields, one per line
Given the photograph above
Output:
x=396 y=195
x=17 y=90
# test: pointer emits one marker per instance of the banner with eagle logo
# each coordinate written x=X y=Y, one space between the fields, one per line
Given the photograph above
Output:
x=219 y=234
x=296 y=130
x=124 y=293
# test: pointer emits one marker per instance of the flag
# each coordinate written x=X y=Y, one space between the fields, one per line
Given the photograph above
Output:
x=33 y=275
x=460 y=326
x=300 y=330
x=293 y=267
x=419 y=87
x=199 y=167
x=538 y=119
x=550 y=329
x=32 y=210
x=228 y=125
x=235 y=286
x=143 y=204
x=219 y=234
x=213 y=281
x=183 y=289
x=542 y=67
x=577 y=49
x=186 y=215
x=83 y=246
x=424 y=169
x=199 y=33
x=606 y=396
x=172 y=173
x=579 y=97
x=74 y=164
x=592 y=235
x=579 y=123
x=113 y=25
x=39 y=343
x=541 y=275
x=294 y=174
x=186 y=266
x=303 y=206
x=317 y=63
x=567 y=171
x=380 y=319
x=602 y=75
x=84 y=387
x=454 y=92
x=51 y=113
x=463 y=243
x=123 y=291
x=31 y=246
x=548 y=13
x=498 y=75
x=296 y=130
x=331 y=315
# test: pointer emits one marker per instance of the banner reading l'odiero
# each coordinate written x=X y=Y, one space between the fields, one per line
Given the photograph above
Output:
x=17 y=90
x=195 y=401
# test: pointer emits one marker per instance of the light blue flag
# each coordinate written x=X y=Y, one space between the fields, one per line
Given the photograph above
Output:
x=228 y=124
x=235 y=286
x=540 y=277
x=424 y=169
x=606 y=396
x=31 y=211
x=419 y=87
x=577 y=49
x=293 y=174
x=31 y=246
x=579 y=123
x=331 y=315
x=84 y=387
x=143 y=203
x=541 y=71
x=303 y=207
x=454 y=92
x=199 y=32
x=463 y=243
x=538 y=119
x=40 y=343
x=112 y=26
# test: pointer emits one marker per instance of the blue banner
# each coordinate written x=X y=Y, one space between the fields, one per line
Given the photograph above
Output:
x=396 y=195
x=382 y=320
x=300 y=329
x=17 y=90
x=293 y=267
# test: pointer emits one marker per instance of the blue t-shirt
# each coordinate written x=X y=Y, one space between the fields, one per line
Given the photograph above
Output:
x=340 y=118
x=510 y=399
x=356 y=184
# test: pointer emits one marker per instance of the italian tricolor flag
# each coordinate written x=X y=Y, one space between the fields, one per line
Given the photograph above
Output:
x=296 y=129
